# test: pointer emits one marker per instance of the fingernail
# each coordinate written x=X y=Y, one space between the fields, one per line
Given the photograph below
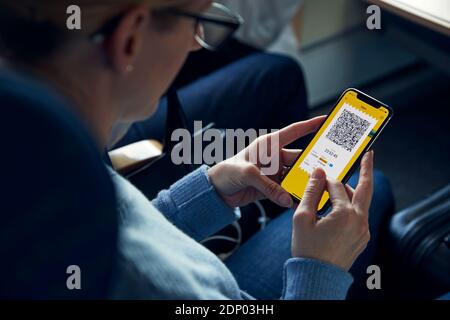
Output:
x=286 y=200
x=318 y=174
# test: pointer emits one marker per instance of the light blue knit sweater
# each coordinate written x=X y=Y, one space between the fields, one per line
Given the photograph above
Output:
x=160 y=257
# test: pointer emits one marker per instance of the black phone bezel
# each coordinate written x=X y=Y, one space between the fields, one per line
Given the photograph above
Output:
x=372 y=102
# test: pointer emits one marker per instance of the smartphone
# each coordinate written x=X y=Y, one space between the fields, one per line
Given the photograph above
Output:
x=350 y=129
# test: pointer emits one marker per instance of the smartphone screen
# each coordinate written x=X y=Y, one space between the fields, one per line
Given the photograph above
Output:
x=348 y=131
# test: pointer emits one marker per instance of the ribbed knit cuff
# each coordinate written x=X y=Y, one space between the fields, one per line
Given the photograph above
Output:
x=309 y=279
x=193 y=204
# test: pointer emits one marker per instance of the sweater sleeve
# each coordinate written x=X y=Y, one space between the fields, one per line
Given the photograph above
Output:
x=193 y=205
x=309 y=279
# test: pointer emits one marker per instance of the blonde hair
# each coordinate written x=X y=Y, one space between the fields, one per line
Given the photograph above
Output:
x=30 y=30
x=94 y=12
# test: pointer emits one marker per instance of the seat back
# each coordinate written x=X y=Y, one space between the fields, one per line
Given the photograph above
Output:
x=57 y=203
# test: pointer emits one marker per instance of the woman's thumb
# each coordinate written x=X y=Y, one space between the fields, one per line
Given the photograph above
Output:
x=271 y=190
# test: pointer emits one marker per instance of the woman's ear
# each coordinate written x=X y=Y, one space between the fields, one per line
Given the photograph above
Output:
x=125 y=42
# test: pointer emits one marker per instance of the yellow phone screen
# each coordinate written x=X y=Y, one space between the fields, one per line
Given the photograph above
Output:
x=345 y=134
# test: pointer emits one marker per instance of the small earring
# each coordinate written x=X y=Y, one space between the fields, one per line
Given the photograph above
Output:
x=129 y=68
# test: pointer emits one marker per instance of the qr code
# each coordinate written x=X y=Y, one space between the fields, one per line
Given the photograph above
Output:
x=347 y=130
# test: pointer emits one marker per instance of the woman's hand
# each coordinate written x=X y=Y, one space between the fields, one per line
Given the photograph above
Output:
x=342 y=235
x=239 y=181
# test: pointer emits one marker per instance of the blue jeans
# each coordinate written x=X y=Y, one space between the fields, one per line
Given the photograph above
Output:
x=258 y=263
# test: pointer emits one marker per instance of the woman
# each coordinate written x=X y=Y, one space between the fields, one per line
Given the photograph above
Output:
x=130 y=52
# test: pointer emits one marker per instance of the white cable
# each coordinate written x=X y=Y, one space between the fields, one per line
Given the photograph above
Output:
x=263 y=219
x=219 y=237
x=237 y=226
x=237 y=241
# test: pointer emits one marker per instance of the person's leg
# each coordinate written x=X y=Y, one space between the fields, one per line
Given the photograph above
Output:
x=382 y=203
x=258 y=264
x=261 y=91
x=203 y=62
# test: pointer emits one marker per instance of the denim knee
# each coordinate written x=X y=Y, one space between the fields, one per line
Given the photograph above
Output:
x=282 y=70
x=280 y=84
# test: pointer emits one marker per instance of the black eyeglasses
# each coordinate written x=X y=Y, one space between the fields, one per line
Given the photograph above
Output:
x=212 y=28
